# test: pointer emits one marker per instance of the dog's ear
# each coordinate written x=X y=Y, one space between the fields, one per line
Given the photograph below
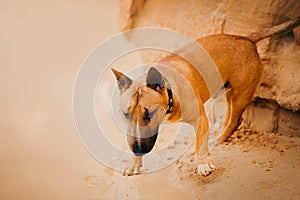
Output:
x=124 y=82
x=155 y=79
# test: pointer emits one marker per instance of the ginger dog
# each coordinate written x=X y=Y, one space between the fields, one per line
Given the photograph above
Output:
x=161 y=94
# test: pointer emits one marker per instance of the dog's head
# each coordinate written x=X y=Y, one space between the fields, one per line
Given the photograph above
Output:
x=144 y=104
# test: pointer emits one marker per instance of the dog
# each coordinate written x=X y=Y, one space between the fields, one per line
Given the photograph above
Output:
x=161 y=94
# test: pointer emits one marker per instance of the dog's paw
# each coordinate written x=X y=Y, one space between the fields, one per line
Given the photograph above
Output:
x=135 y=167
x=130 y=171
x=205 y=169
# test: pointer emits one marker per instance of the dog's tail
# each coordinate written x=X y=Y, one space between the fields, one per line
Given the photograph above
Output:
x=276 y=30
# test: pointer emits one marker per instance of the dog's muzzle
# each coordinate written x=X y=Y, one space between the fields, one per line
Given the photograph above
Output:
x=141 y=146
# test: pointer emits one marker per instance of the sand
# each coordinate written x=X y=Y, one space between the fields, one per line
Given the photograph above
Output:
x=41 y=155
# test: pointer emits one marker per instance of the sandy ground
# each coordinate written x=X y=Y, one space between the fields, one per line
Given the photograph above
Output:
x=42 y=46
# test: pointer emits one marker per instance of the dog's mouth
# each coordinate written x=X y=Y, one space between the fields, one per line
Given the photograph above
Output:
x=142 y=146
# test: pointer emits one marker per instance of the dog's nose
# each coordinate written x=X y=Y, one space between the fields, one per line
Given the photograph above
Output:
x=139 y=149
x=143 y=146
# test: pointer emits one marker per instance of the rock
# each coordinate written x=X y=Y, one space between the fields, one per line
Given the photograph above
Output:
x=296 y=32
x=267 y=115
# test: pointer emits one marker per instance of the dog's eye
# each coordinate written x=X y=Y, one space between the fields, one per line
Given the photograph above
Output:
x=126 y=115
x=148 y=115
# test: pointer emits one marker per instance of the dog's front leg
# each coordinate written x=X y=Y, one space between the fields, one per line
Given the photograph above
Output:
x=134 y=169
x=205 y=167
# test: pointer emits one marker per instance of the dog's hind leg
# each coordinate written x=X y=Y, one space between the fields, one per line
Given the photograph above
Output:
x=236 y=104
x=228 y=109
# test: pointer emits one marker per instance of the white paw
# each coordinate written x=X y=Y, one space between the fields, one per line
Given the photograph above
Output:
x=205 y=169
x=135 y=167
x=129 y=171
